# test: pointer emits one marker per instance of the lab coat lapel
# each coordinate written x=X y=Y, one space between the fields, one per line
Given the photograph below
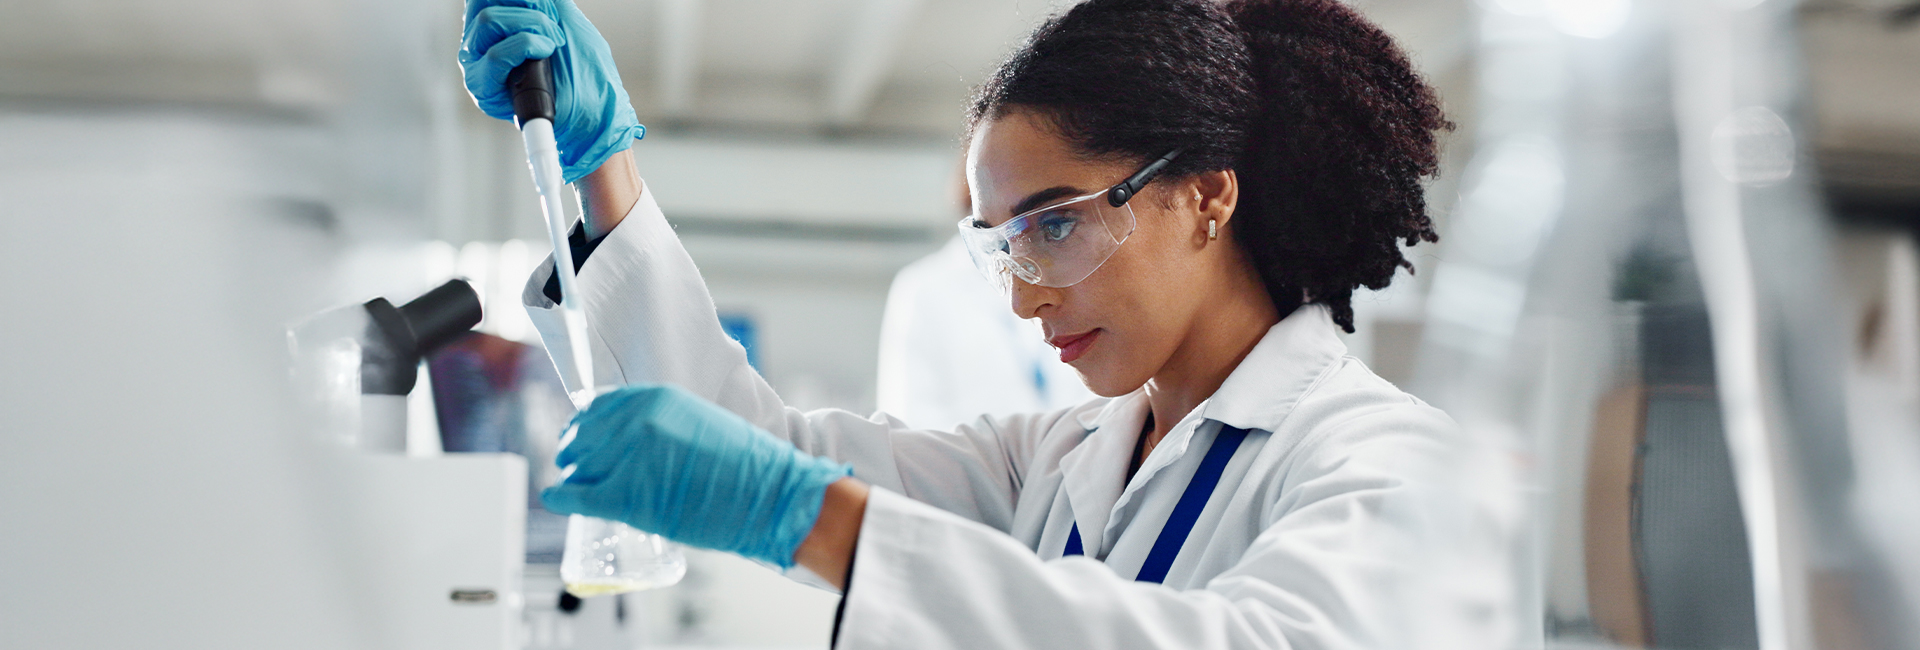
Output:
x=1095 y=472
x=1170 y=450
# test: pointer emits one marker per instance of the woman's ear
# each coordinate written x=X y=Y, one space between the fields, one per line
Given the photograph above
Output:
x=1211 y=196
x=1218 y=192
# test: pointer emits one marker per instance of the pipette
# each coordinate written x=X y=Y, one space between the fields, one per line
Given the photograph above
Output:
x=531 y=86
x=600 y=556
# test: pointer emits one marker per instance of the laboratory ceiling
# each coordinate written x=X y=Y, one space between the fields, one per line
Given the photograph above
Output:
x=883 y=65
x=857 y=66
x=886 y=68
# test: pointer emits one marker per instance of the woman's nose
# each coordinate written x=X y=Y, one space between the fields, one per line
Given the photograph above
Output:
x=1027 y=298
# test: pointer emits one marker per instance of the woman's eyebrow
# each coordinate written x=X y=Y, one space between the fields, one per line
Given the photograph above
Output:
x=1045 y=196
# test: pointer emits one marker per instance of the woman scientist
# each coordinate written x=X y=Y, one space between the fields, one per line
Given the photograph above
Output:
x=1186 y=194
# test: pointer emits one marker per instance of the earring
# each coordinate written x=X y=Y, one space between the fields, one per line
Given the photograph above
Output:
x=1212 y=231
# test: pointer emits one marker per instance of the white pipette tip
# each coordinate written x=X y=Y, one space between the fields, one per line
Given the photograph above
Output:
x=543 y=157
x=582 y=398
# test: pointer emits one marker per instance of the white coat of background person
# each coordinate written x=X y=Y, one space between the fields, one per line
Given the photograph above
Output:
x=1244 y=484
x=951 y=350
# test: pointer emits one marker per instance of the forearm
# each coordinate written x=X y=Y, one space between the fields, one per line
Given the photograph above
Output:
x=828 y=549
x=608 y=193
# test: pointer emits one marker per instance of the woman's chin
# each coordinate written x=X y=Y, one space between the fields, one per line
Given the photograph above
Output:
x=1105 y=382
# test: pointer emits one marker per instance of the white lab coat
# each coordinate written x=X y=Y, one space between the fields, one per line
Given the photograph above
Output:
x=951 y=350
x=1334 y=526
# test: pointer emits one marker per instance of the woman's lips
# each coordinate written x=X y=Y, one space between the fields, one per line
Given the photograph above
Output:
x=1073 y=346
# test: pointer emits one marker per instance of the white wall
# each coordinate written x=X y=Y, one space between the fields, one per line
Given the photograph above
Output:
x=157 y=495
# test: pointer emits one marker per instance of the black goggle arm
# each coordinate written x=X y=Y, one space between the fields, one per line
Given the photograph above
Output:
x=1118 y=195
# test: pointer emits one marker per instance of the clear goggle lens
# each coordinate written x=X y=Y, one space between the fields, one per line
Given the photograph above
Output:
x=1055 y=246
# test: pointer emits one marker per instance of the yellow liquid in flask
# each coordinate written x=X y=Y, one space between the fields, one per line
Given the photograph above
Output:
x=591 y=589
x=614 y=585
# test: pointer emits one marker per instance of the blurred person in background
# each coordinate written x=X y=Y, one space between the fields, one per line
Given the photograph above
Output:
x=1185 y=194
x=941 y=314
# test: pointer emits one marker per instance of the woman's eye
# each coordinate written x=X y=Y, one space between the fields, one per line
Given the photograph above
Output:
x=1057 y=228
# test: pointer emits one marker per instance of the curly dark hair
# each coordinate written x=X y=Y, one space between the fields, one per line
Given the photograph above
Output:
x=1329 y=128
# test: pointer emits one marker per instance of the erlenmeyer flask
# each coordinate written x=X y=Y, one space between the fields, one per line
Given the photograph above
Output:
x=608 y=557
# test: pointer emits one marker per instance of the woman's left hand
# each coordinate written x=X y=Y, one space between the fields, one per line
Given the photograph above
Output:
x=670 y=463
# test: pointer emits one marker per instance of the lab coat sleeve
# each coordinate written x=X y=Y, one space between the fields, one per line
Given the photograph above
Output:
x=652 y=321
x=1341 y=565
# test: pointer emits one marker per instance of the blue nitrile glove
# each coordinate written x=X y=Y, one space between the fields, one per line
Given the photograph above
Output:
x=669 y=463
x=593 y=118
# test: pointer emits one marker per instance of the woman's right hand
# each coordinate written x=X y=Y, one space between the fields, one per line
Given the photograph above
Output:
x=593 y=118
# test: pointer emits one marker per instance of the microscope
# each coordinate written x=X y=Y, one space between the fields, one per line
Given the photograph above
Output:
x=442 y=536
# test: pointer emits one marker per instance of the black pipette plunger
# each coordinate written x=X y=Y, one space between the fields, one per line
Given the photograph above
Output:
x=530 y=85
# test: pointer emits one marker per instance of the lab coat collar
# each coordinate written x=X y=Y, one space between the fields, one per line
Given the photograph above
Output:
x=1090 y=419
x=1294 y=354
x=1257 y=395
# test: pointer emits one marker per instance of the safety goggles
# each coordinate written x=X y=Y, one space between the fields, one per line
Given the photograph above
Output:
x=1060 y=244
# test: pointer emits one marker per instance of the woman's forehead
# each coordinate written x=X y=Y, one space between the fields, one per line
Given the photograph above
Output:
x=1014 y=157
